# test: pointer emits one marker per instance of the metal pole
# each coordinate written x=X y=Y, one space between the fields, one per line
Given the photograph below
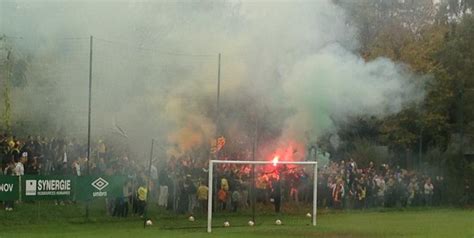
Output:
x=145 y=216
x=89 y=118
x=217 y=105
x=218 y=101
x=254 y=148
x=420 y=148
x=90 y=104
x=218 y=84
x=254 y=200
x=315 y=193
x=461 y=121
x=209 y=197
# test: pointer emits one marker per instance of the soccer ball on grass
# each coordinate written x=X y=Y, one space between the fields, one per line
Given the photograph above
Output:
x=149 y=222
x=278 y=222
x=308 y=214
x=226 y=224
x=251 y=223
x=191 y=218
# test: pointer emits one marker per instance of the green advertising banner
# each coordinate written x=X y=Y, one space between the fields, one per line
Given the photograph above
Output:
x=36 y=187
x=9 y=188
x=89 y=187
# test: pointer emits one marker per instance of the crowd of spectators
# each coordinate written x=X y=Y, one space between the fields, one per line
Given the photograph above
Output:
x=341 y=185
x=180 y=183
x=63 y=156
x=345 y=185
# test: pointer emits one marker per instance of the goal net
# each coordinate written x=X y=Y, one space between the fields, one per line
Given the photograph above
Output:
x=271 y=187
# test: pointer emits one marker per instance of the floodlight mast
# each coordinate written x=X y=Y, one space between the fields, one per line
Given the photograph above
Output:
x=210 y=184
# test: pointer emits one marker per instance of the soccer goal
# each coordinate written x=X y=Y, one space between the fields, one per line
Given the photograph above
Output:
x=211 y=185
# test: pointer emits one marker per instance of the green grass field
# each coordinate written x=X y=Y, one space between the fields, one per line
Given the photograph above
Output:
x=48 y=220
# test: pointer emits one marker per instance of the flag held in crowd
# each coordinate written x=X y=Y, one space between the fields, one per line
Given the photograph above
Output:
x=220 y=144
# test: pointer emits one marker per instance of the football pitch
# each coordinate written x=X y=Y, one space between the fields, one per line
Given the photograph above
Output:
x=49 y=220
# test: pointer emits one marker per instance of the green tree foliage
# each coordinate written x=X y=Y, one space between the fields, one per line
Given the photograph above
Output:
x=366 y=151
x=434 y=39
x=456 y=57
x=13 y=69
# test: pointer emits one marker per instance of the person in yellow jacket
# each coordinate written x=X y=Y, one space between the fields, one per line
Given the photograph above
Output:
x=202 y=196
x=224 y=184
x=141 y=194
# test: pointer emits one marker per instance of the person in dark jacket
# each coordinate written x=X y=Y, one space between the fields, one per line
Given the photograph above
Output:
x=276 y=193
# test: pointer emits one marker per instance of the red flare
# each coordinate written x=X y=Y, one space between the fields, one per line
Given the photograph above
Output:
x=275 y=160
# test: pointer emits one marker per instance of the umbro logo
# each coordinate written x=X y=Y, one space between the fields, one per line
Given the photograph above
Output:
x=100 y=184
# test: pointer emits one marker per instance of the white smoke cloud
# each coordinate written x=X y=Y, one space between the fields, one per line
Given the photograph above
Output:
x=155 y=67
x=336 y=83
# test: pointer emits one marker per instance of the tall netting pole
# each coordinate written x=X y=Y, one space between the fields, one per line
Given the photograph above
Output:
x=89 y=119
x=315 y=193
x=148 y=203
x=252 y=189
x=209 y=197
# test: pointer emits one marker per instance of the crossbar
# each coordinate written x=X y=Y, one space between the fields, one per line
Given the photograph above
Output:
x=263 y=162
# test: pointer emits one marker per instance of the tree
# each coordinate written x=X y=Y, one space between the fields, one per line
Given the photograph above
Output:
x=13 y=71
x=385 y=26
x=457 y=60
x=456 y=8
x=409 y=32
x=6 y=75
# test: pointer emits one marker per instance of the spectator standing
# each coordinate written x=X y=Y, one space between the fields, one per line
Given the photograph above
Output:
x=276 y=193
x=202 y=196
x=360 y=195
x=236 y=197
x=412 y=190
x=379 y=183
x=163 y=181
x=428 y=192
x=154 y=178
x=33 y=167
x=337 y=194
x=141 y=194
x=245 y=194
x=190 y=190
x=19 y=166
x=222 y=198
x=76 y=168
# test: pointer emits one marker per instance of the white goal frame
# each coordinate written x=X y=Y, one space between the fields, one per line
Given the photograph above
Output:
x=211 y=176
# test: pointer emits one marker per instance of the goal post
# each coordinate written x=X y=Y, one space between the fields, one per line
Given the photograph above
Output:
x=211 y=185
